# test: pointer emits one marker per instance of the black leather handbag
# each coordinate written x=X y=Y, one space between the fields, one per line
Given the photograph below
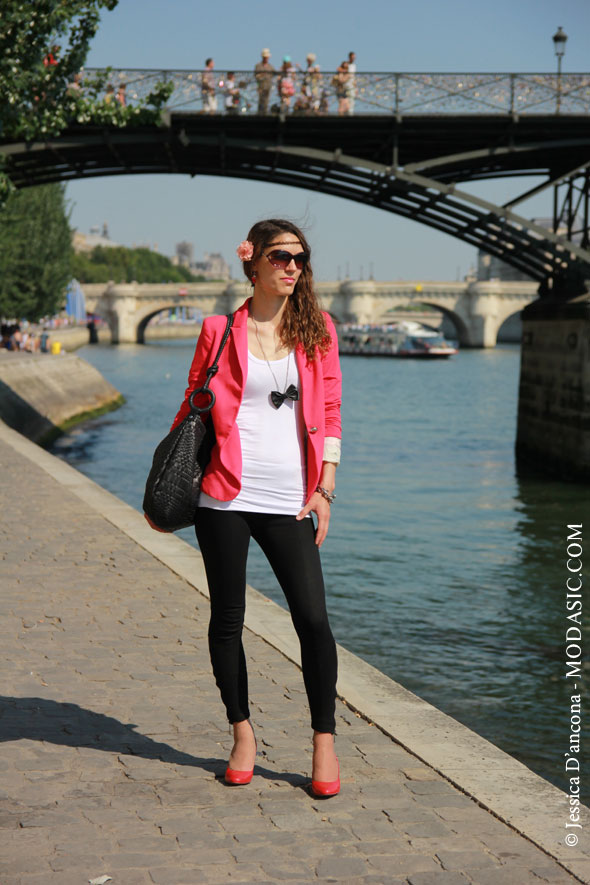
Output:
x=174 y=483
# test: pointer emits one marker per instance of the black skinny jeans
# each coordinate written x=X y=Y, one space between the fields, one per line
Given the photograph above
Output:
x=289 y=546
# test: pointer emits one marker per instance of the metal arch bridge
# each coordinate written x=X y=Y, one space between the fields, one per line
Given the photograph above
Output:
x=406 y=143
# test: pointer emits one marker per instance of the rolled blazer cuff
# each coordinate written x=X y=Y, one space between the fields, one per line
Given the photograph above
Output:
x=332 y=448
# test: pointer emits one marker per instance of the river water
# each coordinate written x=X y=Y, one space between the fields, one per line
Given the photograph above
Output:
x=444 y=568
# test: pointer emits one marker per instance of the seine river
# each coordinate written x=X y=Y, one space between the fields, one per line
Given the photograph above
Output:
x=444 y=568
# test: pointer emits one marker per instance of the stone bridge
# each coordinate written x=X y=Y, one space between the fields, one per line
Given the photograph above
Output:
x=476 y=309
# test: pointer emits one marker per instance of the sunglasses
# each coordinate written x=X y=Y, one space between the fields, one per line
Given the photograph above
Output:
x=281 y=259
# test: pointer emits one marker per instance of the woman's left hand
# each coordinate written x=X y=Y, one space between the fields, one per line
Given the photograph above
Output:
x=317 y=504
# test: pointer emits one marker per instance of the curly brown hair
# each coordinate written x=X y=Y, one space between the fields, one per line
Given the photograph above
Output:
x=302 y=322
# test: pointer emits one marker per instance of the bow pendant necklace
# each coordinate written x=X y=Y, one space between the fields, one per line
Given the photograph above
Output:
x=290 y=392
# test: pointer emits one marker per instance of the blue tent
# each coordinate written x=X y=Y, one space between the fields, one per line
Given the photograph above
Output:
x=75 y=301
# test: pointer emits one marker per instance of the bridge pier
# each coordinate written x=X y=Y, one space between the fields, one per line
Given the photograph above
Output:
x=553 y=432
x=358 y=301
x=118 y=306
x=483 y=321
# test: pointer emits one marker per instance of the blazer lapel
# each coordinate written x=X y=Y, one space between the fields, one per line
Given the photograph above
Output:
x=305 y=377
x=239 y=338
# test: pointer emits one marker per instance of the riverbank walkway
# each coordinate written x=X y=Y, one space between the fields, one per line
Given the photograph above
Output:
x=114 y=740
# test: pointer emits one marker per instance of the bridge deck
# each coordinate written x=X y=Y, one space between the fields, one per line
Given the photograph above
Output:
x=449 y=148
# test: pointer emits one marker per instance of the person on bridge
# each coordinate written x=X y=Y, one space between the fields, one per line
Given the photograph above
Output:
x=264 y=73
x=208 y=88
x=310 y=87
x=342 y=85
x=352 y=81
x=277 y=424
x=286 y=83
x=232 y=94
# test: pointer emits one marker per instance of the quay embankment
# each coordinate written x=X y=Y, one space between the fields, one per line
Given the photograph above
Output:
x=115 y=743
x=41 y=395
x=73 y=337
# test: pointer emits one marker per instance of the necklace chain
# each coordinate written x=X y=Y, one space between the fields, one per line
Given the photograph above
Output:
x=268 y=362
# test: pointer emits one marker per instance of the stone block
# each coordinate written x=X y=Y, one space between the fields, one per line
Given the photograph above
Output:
x=425 y=828
x=506 y=875
x=172 y=824
x=555 y=874
x=341 y=867
x=460 y=860
x=78 y=876
x=246 y=872
x=25 y=864
x=442 y=877
x=432 y=844
x=76 y=861
x=431 y=787
x=419 y=773
x=211 y=840
x=403 y=864
x=189 y=876
x=123 y=860
x=509 y=847
x=153 y=842
x=374 y=829
x=297 y=821
x=395 y=845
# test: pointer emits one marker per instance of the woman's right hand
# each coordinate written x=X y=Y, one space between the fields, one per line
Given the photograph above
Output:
x=155 y=527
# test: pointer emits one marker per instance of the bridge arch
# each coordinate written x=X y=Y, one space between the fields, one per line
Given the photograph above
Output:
x=510 y=329
x=463 y=333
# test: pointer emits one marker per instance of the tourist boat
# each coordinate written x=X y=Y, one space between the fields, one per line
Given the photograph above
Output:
x=406 y=338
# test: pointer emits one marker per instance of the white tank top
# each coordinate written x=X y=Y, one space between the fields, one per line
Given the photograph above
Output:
x=273 y=443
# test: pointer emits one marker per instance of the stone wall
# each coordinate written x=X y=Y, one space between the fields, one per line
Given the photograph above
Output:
x=41 y=394
x=554 y=395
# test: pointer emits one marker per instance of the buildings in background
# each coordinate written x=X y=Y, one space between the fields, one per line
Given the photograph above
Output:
x=97 y=237
x=213 y=267
x=491 y=268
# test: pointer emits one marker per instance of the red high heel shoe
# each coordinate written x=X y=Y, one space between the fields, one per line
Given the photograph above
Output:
x=235 y=777
x=325 y=789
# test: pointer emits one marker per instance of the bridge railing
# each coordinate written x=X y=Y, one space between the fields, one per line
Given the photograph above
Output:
x=309 y=93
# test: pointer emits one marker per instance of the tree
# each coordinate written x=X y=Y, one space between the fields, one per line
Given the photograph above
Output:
x=124 y=265
x=35 y=252
x=43 y=45
x=33 y=36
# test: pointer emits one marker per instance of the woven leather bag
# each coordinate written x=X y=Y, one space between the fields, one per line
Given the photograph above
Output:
x=174 y=483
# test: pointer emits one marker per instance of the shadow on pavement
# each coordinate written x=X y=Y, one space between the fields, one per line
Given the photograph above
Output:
x=55 y=722
x=59 y=722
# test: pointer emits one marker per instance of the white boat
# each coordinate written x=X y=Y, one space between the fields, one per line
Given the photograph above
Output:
x=405 y=338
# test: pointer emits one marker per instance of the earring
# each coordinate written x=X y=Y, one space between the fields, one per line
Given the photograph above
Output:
x=253 y=277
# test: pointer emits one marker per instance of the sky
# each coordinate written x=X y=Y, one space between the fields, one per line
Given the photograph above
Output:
x=215 y=213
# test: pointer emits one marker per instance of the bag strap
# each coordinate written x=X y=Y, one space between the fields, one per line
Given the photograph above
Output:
x=211 y=371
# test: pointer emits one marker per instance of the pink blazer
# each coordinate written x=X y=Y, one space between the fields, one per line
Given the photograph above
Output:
x=320 y=393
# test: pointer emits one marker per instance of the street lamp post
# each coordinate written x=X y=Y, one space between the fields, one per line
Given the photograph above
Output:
x=559 y=41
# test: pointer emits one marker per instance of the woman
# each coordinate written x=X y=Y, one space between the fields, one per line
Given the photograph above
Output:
x=277 y=424
x=343 y=84
x=286 y=83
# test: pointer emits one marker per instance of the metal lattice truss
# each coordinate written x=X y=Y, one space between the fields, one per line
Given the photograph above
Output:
x=544 y=255
x=372 y=93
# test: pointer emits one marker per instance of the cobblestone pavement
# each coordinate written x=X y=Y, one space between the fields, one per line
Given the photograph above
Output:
x=115 y=740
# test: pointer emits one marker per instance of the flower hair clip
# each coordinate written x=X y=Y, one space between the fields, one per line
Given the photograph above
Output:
x=245 y=250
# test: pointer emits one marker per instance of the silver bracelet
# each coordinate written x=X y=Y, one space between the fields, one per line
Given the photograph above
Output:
x=325 y=494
